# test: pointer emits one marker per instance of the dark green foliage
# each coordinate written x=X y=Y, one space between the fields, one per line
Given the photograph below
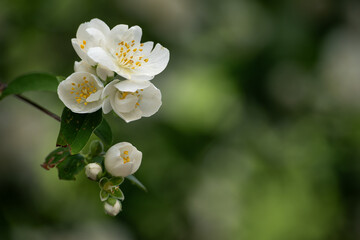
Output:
x=31 y=82
x=76 y=129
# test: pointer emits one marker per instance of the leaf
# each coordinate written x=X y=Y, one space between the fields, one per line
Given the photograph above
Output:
x=116 y=181
x=31 y=82
x=97 y=159
x=136 y=182
x=103 y=195
x=103 y=131
x=102 y=182
x=55 y=157
x=60 y=78
x=71 y=166
x=117 y=193
x=76 y=129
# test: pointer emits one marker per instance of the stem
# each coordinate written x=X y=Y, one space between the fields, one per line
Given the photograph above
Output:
x=44 y=110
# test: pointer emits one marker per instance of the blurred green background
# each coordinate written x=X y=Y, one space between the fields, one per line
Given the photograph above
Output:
x=258 y=137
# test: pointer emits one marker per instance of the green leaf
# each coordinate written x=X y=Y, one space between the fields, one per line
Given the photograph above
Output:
x=117 y=193
x=76 y=129
x=31 y=82
x=97 y=159
x=116 y=181
x=103 y=131
x=60 y=78
x=102 y=182
x=103 y=195
x=55 y=157
x=136 y=182
x=71 y=166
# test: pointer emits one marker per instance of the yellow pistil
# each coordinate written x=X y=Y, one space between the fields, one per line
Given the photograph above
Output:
x=124 y=94
x=84 y=90
x=126 y=52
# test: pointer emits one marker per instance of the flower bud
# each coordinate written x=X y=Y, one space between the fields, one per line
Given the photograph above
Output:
x=114 y=209
x=93 y=170
x=122 y=159
x=96 y=147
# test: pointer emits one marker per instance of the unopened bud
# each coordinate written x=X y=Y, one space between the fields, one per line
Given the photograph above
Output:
x=112 y=207
x=96 y=147
x=93 y=171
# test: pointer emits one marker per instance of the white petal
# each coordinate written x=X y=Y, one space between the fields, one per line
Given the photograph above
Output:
x=140 y=77
x=136 y=156
x=106 y=107
x=131 y=116
x=84 y=67
x=158 y=60
x=82 y=54
x=148 y=46
x=94 y=97
x=124 y=105
x=116 y=35
x=102 y=57
x=135 y=32
x=92 y=32
x=67 y=92
x=109 y=92
x=131 y=86
x=114 y=163
x=150 y=101
x=103 y=72
x=98 y=24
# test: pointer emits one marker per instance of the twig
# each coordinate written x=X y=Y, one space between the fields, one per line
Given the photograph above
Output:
x=44 y=110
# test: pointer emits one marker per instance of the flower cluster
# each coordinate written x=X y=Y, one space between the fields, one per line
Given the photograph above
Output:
x=114 y=72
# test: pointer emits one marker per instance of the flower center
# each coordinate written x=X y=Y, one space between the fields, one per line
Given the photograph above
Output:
x=83 y=90
x=136 y=94
x=129 y=56
x=126 y=157
x=83 y=45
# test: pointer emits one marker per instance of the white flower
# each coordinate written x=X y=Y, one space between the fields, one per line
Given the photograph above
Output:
x=131 y=101
x=112 y=210
x=90 y=34
x=128 y=57
x=102 y=72
x=81 y=92
x=122 y=159
x=93 y=170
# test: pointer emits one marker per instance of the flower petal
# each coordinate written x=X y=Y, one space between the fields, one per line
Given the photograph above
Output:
x=102 y=57
x=83 y=66
x=131 y=86
x=150 y=101
x=158 y=60
x=109 y=92
x=123 y=103
x=130 y=116
x=70 y=92
x=136 y=157
x=103 y=72
x=82 y=54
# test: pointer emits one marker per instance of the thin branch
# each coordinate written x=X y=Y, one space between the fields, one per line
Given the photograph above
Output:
x=44 y=110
